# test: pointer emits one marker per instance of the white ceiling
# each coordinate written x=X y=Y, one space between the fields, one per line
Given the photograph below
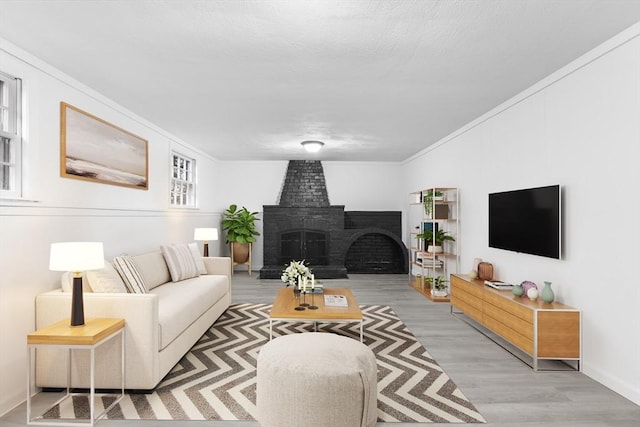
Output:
x=249 y=80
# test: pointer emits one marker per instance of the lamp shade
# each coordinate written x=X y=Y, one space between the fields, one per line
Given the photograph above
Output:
x=205 y=234
x=76 y=256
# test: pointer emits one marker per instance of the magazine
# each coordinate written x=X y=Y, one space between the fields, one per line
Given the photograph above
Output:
x=335 y=301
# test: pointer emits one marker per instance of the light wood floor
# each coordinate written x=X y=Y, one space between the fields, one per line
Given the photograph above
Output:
x=506 y=391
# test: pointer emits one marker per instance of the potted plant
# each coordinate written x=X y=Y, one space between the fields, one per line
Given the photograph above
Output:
x=428 y=198
x=435 y=240
x=241 y=231
x=438 y=286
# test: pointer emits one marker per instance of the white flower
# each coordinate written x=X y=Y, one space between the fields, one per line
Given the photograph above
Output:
x=295 y=270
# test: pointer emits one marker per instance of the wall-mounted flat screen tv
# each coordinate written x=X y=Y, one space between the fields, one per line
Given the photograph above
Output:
x=526 y=221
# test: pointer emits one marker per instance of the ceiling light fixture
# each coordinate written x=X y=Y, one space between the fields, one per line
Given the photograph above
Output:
x=312 y=146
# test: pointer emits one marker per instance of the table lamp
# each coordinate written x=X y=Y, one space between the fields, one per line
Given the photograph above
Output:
x=76 y=257
x=205 y=234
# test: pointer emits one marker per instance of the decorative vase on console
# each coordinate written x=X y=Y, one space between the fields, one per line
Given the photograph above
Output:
x=547 y=293
x=518 y=290
x=526 y=285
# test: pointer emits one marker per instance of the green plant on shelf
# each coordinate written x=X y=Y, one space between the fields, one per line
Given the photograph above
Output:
x=438 y=238
x=438 y=283
x=427 y=200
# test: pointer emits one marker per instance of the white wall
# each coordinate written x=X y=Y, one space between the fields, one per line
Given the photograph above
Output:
x=63 y=209
x=579 y=128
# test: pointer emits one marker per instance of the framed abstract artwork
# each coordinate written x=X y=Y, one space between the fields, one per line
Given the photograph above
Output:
x=93 y=149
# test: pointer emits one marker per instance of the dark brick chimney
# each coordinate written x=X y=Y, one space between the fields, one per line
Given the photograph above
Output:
x=304 y=185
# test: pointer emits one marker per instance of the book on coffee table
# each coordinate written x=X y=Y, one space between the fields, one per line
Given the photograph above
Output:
x=335 y=301
x=316 y=290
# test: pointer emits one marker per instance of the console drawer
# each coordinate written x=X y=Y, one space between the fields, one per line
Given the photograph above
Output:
x=509 y=305
x=495 y=315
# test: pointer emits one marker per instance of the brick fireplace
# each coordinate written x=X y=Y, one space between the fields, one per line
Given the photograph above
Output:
x=304 y=225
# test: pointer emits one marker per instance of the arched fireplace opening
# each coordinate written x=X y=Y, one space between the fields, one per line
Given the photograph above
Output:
x=375 y=252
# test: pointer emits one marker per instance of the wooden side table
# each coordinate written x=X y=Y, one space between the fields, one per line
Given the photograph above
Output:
x=89 y=336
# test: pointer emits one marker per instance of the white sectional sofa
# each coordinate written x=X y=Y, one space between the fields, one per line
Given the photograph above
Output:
x=162 y=323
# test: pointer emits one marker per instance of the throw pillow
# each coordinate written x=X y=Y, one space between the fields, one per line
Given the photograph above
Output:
x=106 y=280
x=197 y=258
x=66 y=282
x=180 y=262
x=130 y=275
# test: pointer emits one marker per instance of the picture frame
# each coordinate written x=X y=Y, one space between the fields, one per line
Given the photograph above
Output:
x=92 y=149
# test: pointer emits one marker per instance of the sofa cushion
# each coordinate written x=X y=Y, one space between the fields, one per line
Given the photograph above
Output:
x=182 y=303
x=197 y=258
x=153 y=268
x=131 y=277
x=105 y=280
x=180 y=262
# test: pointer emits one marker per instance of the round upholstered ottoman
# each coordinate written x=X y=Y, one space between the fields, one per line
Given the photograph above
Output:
x=316 y=380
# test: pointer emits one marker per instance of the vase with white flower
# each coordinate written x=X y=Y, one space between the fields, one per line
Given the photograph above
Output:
x=297 y=274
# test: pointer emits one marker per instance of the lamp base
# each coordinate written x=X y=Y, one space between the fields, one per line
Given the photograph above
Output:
x=77 y=305
x=206 y=249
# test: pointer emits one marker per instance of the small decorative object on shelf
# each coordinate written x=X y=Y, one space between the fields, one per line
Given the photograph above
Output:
x=532 y=293
x=474 y=269
x=547 y=293
x=435 y=240
x=428 y=197
x=499 y=285
x=438 y=286
x=518 y=290
x=526 y=285
x=485 y=271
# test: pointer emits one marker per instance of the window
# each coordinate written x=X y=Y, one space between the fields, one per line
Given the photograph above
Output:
x=10 y=137
x=183 y=181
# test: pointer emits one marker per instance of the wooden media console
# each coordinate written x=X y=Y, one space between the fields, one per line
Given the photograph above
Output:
x=540 y=330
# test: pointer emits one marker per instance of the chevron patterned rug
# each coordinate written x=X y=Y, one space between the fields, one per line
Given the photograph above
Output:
x=216 y=380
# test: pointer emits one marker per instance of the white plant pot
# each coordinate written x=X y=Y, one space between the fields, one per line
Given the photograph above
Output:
x=437 y=293
x=434 y=249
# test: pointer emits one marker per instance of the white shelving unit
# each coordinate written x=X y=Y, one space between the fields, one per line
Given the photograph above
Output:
x=434 y=209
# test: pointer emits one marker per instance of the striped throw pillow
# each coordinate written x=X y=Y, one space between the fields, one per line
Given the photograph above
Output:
x=131 y=277
x=180 y=262
x=195 y=253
